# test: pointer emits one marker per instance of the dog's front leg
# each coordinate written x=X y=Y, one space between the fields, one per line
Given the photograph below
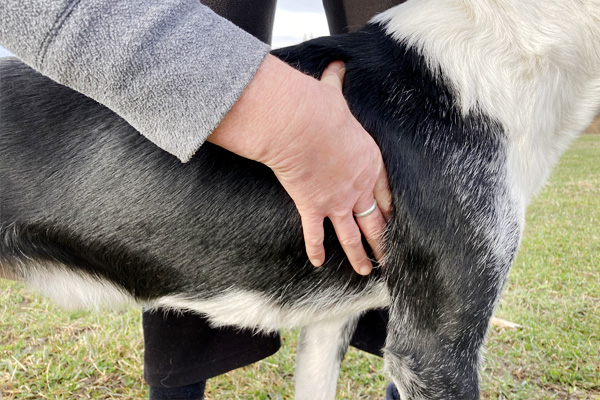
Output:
x=321 y=349
x=436 y=330
x=429 y=365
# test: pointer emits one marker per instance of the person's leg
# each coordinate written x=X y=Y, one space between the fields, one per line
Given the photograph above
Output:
x=195 y=391
x=370 y=332
x=345 y=16
x=254 y=16
x=183 y=351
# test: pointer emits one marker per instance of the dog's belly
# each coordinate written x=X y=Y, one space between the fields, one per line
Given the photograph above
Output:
x=256 y=310
x=72 y=289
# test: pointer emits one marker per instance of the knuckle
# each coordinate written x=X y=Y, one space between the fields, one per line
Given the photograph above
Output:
x=373 y=233
x=351 y=241
x=340 y=213
x=365 y=182
x=313 y=242
x=310 y=217
x=359 y=263
x=313 y=253
x=374 y=228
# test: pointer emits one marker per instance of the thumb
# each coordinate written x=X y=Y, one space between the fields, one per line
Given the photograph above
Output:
x=334 y=74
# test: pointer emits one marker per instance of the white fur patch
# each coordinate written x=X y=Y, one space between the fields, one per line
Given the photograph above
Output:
x=532 y=66
x=254 y=310
x=72 y=290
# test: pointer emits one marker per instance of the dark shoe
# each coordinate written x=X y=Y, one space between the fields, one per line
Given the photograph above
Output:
x=391 y=393
x=190 y=392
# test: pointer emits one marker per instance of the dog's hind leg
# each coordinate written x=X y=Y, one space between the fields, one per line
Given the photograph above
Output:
x=321 y=349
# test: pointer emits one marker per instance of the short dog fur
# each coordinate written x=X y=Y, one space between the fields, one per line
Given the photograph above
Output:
x=471 y=102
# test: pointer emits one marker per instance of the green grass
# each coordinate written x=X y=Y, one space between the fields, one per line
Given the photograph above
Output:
x=49 y=353
x=553 y=291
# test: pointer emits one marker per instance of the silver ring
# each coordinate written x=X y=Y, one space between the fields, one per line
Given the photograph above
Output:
x=368 y=212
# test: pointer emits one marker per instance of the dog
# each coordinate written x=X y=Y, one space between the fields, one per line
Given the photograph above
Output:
x=471 y=103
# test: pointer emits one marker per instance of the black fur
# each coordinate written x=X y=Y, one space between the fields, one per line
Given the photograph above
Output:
x=80 y=186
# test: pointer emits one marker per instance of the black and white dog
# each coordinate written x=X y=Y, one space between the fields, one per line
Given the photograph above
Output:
x=471 y=103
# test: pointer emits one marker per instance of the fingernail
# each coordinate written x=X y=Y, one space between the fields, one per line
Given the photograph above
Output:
x=316 y=262
x=365 y=270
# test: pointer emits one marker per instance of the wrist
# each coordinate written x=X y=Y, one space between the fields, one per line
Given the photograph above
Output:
x=269 y=113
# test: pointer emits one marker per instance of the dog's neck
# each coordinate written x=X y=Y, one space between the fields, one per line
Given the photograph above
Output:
x=533 y=66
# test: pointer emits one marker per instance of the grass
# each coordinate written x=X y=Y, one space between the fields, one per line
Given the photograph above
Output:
x=553 y=291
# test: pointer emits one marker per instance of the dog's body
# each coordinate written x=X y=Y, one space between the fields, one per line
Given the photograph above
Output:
x=471 y=103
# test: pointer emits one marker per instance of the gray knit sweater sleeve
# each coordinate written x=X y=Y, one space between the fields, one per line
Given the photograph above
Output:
x=171 y=68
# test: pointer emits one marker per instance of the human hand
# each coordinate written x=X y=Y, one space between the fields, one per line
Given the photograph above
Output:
x=329 y=165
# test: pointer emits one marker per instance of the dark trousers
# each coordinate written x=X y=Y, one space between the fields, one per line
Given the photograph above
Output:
x=182 y=349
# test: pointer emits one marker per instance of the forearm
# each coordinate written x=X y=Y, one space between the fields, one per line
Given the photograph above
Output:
x=171 y=68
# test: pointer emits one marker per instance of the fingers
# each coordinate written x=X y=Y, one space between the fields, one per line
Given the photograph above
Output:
x=349 y=236
x=382 y=194
x=313 y=239
x=334 y=74
x=348 y=231
x=372 y=225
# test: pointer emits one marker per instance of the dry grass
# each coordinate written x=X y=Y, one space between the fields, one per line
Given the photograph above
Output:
x=594 y=127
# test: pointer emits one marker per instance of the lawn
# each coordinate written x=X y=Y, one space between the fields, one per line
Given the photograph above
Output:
x=553 y=292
